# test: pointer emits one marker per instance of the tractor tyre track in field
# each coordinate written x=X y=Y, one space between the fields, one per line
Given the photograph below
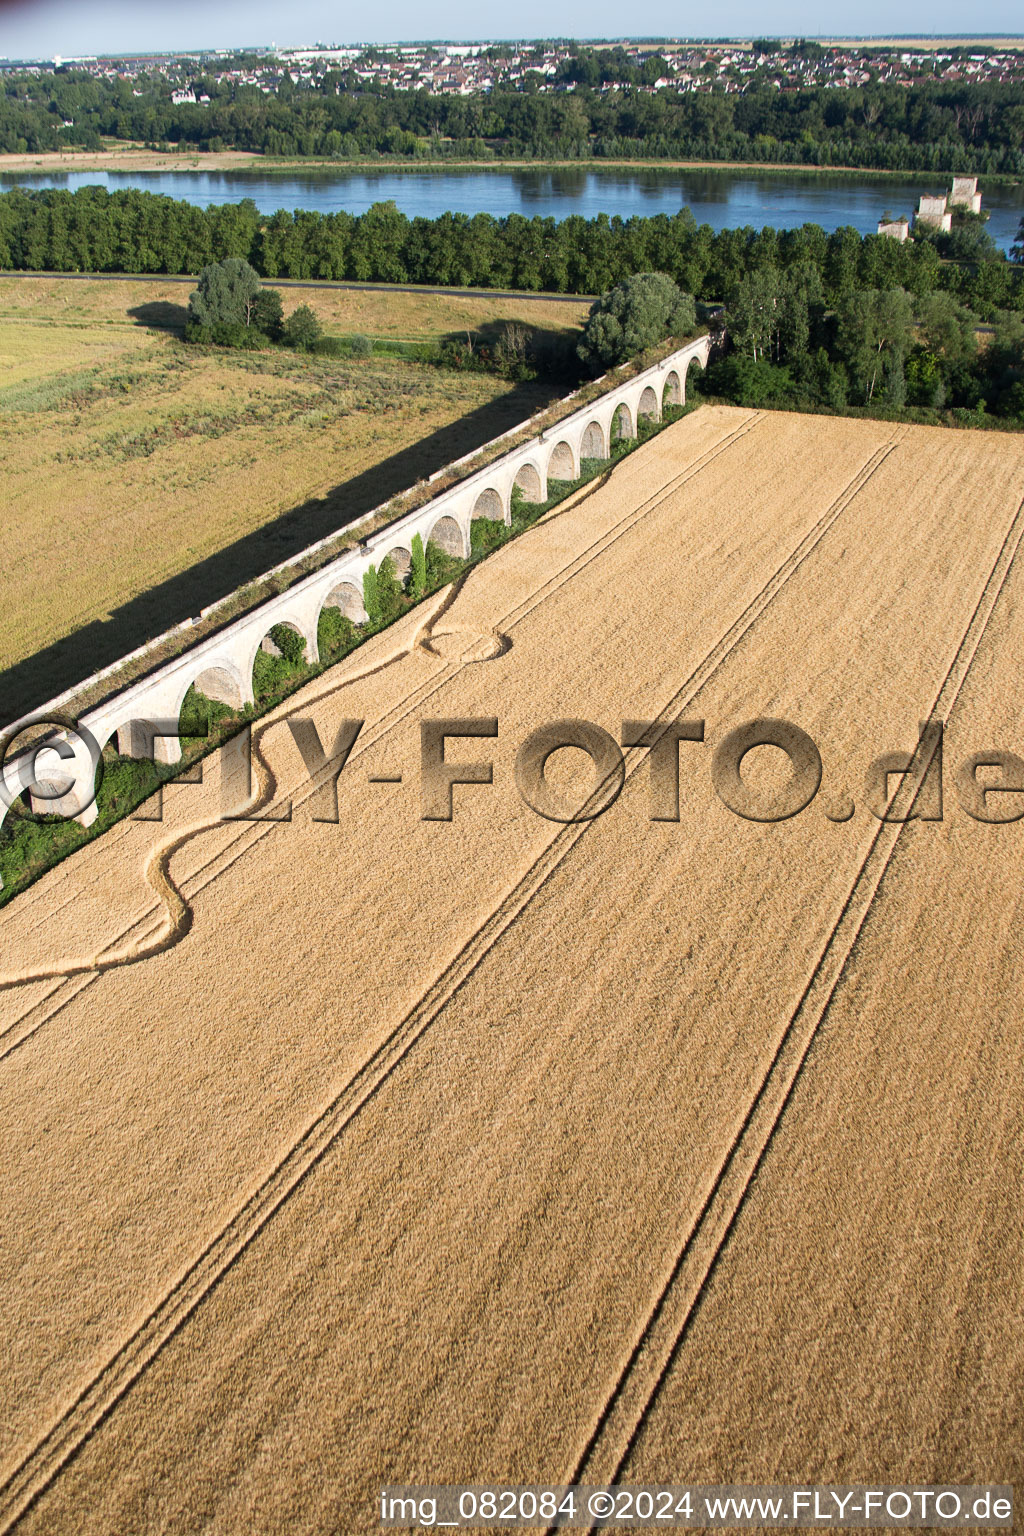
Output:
x=663 y=1334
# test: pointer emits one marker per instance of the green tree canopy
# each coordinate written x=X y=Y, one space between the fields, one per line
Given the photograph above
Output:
x=634 y=315
x=1017 y=248
x=268 y=312
x=227 y=294
x=946 y=327
x=874 y=333
x=302 y=329
x=755 y=312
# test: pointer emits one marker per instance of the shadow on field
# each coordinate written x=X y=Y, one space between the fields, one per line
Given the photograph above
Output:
x=549 y=350
x=29 y=683
x=160 y=315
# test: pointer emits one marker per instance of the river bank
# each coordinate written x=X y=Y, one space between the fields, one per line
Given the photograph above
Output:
x=138 y=158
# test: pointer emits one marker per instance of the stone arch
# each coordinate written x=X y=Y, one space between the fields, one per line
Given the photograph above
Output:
x=672 y=394
x=68 y=777
x=593 y=444
x=347 y=596
x=562 y=462
x=622 y=423
x=221 y=682
x=648 y=405
x=137 y=738
x=694 y=357
x=269 y=645
x=268 y=679
x=64 y=786
x=448 y=536
x=400 y=558
x=529 y=482
x=489 y=504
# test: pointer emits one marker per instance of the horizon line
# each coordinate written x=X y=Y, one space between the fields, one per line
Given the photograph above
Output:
x=476 y=42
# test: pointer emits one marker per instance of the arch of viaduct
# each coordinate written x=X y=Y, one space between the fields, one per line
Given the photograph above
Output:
x=221 y=666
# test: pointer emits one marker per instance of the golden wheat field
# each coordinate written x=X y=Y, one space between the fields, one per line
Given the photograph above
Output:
x=507 y=1150
x=129 y=458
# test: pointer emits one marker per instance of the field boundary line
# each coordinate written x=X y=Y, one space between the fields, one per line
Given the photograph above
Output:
x=664 y=1332
x=39 y=1468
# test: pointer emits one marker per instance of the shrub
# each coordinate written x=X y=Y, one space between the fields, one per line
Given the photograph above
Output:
x=924 y=379
x=226 y=333
x=335 y=633
x=370 y=599
x=201 y=716
x=382 y=593
x=1012 y=402
x=302 y=329
x=268 y=313
x=289 y=643
x=127 y=781
x=739 y=378
x=272 y=675
x=442 y=567
x=418 y=576
x=360 y=346
x=487 y=533
x=389 y=591
x=511 y=351
x=458 y=354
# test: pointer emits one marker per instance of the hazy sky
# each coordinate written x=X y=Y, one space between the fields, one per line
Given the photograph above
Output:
x=42 y=28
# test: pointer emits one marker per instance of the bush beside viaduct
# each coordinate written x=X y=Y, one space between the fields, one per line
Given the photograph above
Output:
x=221 y=666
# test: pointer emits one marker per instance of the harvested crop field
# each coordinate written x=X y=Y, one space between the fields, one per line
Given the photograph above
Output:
x=505 y=1150
x=130 y=458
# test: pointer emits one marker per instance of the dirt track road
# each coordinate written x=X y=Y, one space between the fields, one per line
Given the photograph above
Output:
x=503 y=1150
x=295 y=282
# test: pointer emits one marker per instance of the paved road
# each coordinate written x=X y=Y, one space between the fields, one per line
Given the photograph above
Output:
x=292 y=282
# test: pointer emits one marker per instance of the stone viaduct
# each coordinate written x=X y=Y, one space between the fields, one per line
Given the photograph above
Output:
x=221 y=666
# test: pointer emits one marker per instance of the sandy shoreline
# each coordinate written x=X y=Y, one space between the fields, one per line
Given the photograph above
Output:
x=139 y=160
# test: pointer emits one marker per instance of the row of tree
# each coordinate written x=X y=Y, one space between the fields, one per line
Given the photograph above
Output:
x=934 y=126
x=886 y=348
x=95 y=231
x=876 y=347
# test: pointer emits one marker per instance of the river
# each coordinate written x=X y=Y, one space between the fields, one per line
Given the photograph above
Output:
x=724 y=199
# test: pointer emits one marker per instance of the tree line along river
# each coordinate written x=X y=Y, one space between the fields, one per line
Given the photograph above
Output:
x=723 y=199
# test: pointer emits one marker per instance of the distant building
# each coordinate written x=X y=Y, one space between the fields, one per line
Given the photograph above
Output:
x=937 y=211
x=965 y=193
x=932 y=210
x=894 y=229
